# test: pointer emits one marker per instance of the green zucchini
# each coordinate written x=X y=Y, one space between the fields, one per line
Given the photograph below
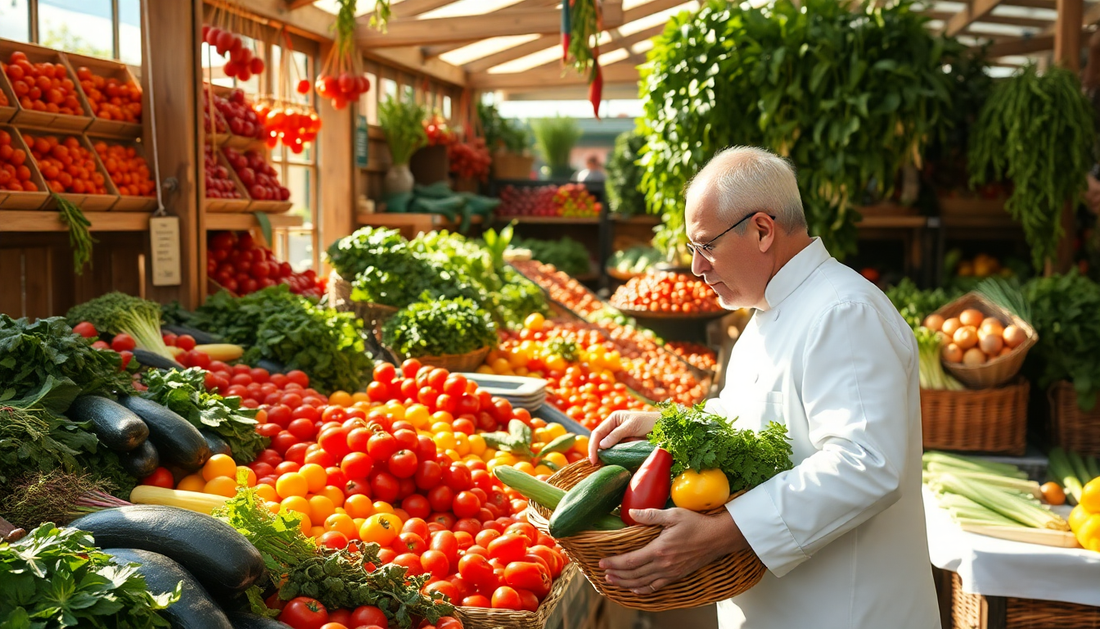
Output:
x=219 y=557
x=562 y=444
x=595 y=496
x=245 y=620
x=215 y=443
x=141 y=461
x=117 y=427
x=629 y=454
x=155 y=361
x=194 y=610
x=180 y=444
x=546 y=495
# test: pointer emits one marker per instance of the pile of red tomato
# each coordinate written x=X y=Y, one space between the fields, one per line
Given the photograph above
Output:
x=128 y=170
x=240 y=118
x=259 y=178
x=241 y=265
x=218 y=183
x=15 y=175
x=122 y=343
x=242 y=63
x=666 y=292
x=469 y=159
x=308 y=613
x=109 y=98
x=66 y=165
x=42 y=86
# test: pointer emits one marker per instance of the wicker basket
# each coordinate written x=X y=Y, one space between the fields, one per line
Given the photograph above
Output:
x=987 y=420
x=456 y=362
x=999 y=370
x=1073 y=428
x=486 y=618
x=972 y=611
x=725 y=578
x=373 y=315
x=507 y=165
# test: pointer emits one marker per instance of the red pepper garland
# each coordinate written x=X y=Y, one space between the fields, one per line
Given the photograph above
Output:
x=581 y=25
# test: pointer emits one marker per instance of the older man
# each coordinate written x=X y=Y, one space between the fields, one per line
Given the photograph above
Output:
x=842 y=534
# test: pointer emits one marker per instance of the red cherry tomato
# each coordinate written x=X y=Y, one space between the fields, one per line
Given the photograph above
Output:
x=85 y=329
x=160 y=477
x=123 y=342
x=369 y=615
x=466 y=504
x=508 y=548
x=304 y=613
x=505 y=597
x=185 y=342
x=402 y=464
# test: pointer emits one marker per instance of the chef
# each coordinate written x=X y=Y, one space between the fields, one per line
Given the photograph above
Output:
x=842 y=534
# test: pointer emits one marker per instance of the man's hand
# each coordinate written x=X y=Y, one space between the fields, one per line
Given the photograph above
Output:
x=688 y=542
x=619 y=426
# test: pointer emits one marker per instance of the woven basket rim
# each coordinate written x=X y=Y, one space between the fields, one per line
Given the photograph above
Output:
x=962 y=303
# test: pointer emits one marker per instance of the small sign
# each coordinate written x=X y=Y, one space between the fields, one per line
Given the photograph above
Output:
x=362 y=143
x=164 y=238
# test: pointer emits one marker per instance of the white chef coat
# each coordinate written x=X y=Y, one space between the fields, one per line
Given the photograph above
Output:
x=843 y=533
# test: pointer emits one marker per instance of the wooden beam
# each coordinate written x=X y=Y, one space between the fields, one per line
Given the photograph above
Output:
x=515 y=52
x=972 y=13
x=431 y=52
x=1007 y=20
x=621 y=72
x=1023 y=46
x=413 y=8
x=412 y=59
x=1032 y=4
x=411 y=32
x=1067 y=34
x=298 y=4
x=614 y=44
x=650 y=8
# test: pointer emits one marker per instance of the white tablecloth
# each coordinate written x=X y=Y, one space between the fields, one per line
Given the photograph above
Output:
x=997 y=567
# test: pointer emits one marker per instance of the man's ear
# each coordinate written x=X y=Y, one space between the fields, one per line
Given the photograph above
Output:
x=765 y=231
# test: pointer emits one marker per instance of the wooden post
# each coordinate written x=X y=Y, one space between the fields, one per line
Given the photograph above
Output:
x=336 y=165
x=1067 y=34
x=174 y=30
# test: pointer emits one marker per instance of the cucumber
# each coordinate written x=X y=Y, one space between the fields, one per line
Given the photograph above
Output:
x=220 y=558
x=156 y=361
x=194 y=610
x=201 y=337
x=244 y=620
x=595 y=496
x=215 y=443
x=547 y=495
x=141 y=461
x=629 y=454
x=270 y=365
x=116 y=426
x=563 y=443
x=180 y=444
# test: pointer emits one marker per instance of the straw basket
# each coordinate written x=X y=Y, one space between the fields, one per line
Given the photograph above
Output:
x=507 y=165
x=987 y=420
x=999 y=370
x=1073 y=428
x=486 y=618
x=974 y=611
x=726 y=577
x=456 y=362
x=373 y=315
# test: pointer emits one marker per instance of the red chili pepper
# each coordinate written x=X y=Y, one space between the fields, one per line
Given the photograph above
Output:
x=595 y=90
x=650 y=486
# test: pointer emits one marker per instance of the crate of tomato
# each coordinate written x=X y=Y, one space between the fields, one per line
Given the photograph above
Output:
x=44 y=87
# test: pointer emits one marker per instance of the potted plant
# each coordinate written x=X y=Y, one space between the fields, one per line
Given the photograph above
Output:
x=554 y=138
x=402 y=122
x=508 y=143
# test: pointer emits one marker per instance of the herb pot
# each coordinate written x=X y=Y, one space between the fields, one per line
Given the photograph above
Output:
x=399 y=179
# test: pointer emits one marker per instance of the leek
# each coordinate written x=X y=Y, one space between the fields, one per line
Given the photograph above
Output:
x=972 y=465
x=1093 y=467
x=1005 y=503
x=1061 y=470
x=932 y=375
x=1024 y=487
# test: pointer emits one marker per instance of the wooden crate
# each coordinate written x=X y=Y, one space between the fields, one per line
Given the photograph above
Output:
x=228 y=205
x=24 y=200
x=256 y=205
x=239 y=142
x=108 y=70
x=84 y=201
x=7 y=112
x=41 y=119
x=129 y=203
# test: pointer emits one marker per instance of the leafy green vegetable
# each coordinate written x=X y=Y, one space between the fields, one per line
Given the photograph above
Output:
x=118 y=312
x=56 y=496
x=624 y=176
x=278 y=536
x=554 y=139
x=58 y=578
x=185 y=393
x=33 y=351
x=1038 y=131
x=700 y=441
x=501 y=132
x=568 y=255
x=1064 y=314
x=434 y=327
x=402 y=120
x=915 y=304
x=80 y=238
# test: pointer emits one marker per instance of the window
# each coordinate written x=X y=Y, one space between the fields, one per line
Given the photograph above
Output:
x=110 y=29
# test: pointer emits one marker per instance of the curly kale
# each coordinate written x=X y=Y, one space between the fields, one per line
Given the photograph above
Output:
x=436 y=327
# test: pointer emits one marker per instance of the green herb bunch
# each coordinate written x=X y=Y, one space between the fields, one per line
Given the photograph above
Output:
x=624 y=175
x=568 y=255
x=1064 y=314
x=185 y=393
x=278 y=536
x=700 y=441
x=402 y=122
x=435 y=327
x=58 y=578
x=915 y=304
x=500 y=132
x=351 y=255
x=554 y=138
x=118 y=312
x=1038 y=131
x=849 y=92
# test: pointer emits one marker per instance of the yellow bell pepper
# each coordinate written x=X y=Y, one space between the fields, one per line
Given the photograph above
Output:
x=700 y=491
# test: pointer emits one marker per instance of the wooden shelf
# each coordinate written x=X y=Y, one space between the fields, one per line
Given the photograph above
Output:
x=645 y=219
x=410 y=224
x=893 y=222
x=240 y=222
x=50 y=221
x=549 y=220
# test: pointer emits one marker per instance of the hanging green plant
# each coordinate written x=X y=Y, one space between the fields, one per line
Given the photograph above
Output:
x=1038 y=131
x=581 y=24
x=402 y=120
x=554 y=139
x=624 y=176
x=849 y=92
x=80 y=238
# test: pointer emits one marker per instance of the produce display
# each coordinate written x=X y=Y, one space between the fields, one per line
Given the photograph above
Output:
x=239 y=116
x=698 y=355
x=242 y=266
x=292 y=125
x=259 y=178
x=127 y=170
x=634 y=260
x=241 y=61
x=15 y=174
x=568 y=255
x=439 y=327
x=44 y=86
x=65 y=164
x=560 y=286
x=574 y=200
x=109 y=98
x=974 y=339
x=1062 y=310
x=667 y=292
x=569 y=200
x=217 y=182
x=469 y=159
x=119 y=313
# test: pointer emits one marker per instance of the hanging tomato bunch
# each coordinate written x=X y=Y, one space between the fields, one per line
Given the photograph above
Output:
x=469 y=159
x=289 y=123
x=241 y=62
x=342 y=80
x=438 y=132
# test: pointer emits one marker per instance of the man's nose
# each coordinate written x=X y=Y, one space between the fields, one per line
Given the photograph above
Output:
x=699 y=264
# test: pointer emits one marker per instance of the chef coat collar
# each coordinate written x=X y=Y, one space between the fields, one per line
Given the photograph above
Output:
x=794 y=272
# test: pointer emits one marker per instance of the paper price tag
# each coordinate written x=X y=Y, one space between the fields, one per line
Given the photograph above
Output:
x=164 y=238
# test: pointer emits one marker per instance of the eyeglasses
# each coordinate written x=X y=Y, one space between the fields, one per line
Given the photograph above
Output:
x=707 y=248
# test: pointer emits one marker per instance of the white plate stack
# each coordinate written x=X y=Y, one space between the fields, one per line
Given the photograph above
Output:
x=528 y=393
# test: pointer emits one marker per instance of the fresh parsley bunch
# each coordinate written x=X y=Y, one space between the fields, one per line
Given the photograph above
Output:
x=437 y=327
x=700 y=441
x=1064 y=312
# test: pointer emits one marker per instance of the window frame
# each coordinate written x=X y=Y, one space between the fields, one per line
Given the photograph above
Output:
x=35 y=35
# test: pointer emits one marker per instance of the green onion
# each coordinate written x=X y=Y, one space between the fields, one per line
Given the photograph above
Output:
x=1025 y=487
x=1007 y=504
x=971 y=464
x=1061 y=470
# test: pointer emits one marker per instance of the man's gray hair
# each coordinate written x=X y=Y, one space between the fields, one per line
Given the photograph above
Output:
x=748 y=179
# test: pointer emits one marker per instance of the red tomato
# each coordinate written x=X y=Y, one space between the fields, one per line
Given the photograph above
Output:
x=378 y=391
x=436 y=563
x=409 y=543
x=335 y=442
x=85 y=329
x=262 y=468
x=528 y=576
x=550 y=556
x=381 y=446
x=334 y=625
x=428 y=474
x=198 y=359
x=402 y=464
x=357 y=465
x=416 y=506
x=304 y=613
x=342 y=616
x=126 y=356
x=286 y=467
x=416 y=525
x=359 y=439
x=465 y=540
x=334 y=414
x=445 y=542
x=160 y=477
x=384 y=486
x=123 y=342
x=466 y=504
x=457 y=477
x=508 y=548
x=369 y=615
x=455 y=385
x=445 y=520
x=406 y=439
x=475 y=568
x=410 y=367
x=292 y=400
x=279 y=414
x=486 y=537
x=445 y=588
x=302 y=428
x=297 y=453
x=336 y=477
x=469 y=526
x=282 y=441
x=384 y=373
x=529 y=600
x=298 y=377
x=353 y=487
x=185 y=342
x=104 y=345
x=411 y=562
x=306 y=412
x=448 y=622
x=333 y=539
x=476 y=600
x=405 y=488
x=505 y=597
x=525 y=529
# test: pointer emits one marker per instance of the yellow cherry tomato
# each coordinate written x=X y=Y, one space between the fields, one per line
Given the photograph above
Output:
x=477 y=444
x=291 y=484
x=320 y=507
x=315 y=475
x=219 y=465
x=194 y=482
x=267 y=493
x=380 y=528
x=700 y=491
x=340 y=398
x=221 y=486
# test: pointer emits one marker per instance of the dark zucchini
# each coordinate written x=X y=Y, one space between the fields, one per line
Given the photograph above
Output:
x=195 y=609
x=201 y=337
x=271 y=366
x=589 y=500
x=629 y=454
x=244 y=620
x=142 y=460
x=116 y=426
x=180 y=444
x=156 y=361
x=216 y=444
x=219 y=557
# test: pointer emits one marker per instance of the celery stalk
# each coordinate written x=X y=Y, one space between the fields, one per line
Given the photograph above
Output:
x=1060 y=469
x=1025 y=487
x=1079 y=469
x=1002 y=502
x=972 y=464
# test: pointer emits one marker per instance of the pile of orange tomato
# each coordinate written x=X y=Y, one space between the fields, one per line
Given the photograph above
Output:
x=127 y=170
x=15 y=175
x=109 y=98
x=43 y=86
x=66 y=165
